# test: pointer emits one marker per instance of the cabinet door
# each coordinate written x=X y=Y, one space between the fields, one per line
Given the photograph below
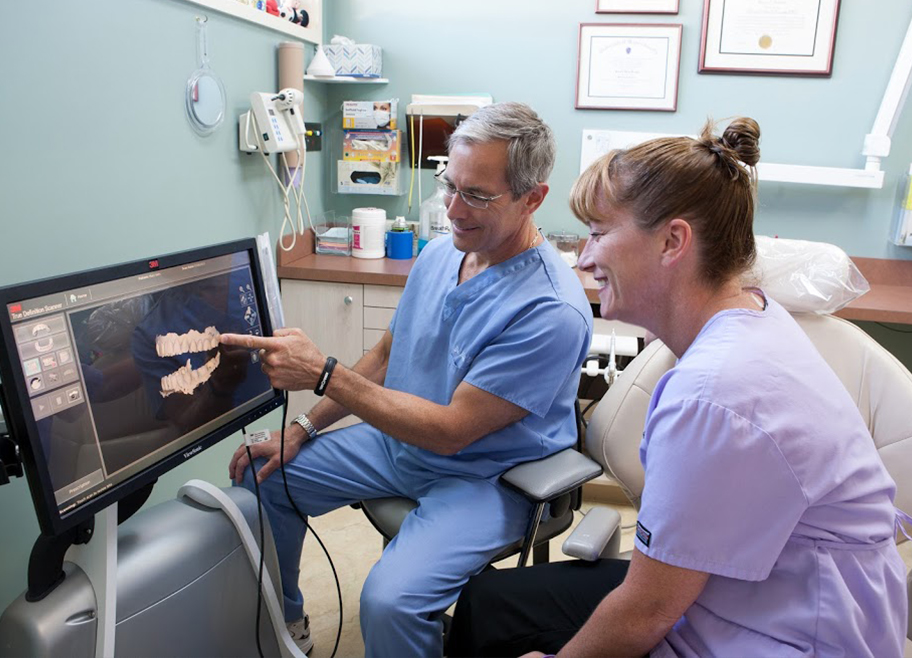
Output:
x=332 y=315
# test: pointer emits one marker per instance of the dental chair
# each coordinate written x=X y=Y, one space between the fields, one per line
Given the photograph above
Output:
x=878 y=383
x=555 y=481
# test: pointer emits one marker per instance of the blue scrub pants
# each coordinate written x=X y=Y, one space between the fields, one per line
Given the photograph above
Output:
x=460 y=524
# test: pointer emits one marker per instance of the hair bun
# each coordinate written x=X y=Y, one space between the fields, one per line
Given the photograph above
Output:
x=743 y=137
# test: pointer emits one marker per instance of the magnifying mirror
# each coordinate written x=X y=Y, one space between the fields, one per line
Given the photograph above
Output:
x=205 y=92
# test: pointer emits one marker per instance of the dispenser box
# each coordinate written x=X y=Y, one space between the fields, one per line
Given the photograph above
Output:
x=361 y=60
x=370 y=115
x=367 y=177
x=375 y=145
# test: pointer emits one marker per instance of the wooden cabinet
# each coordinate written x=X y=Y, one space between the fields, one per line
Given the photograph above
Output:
x=345 y=320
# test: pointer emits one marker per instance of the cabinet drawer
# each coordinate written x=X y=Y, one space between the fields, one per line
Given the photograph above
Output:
x=377 y=318
x=371 y=338
x=382 y=296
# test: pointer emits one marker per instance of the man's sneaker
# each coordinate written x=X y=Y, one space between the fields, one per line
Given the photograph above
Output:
x=300 y=633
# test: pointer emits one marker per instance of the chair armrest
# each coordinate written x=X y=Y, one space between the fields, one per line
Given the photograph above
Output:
x=555 y=475
x=598 y=535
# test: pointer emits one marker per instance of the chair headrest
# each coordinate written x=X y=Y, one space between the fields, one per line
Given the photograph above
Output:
x=805 y=277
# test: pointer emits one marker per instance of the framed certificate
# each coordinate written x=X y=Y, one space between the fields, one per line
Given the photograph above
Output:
x=781 y=37
x=636 y=6
x=628 y=66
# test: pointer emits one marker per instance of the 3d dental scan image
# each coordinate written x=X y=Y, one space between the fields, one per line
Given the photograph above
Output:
x=157 y=354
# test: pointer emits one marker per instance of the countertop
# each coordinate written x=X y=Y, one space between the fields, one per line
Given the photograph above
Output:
x=889 y=300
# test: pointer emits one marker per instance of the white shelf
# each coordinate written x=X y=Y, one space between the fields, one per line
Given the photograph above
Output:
x=346 y=79
x=835 y=176
x=599 y=142
x=313 y=33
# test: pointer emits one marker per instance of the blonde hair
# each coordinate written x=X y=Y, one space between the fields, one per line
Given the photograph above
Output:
x=710 y=182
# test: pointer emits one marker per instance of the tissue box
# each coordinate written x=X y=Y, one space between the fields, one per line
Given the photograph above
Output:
x=376 y=145
x=368 y=177
x=360 y=60
x=370 y=115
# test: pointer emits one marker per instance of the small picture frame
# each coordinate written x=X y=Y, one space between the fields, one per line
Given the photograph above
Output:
x=636 y=6
x=771 y=38
x=628 y=66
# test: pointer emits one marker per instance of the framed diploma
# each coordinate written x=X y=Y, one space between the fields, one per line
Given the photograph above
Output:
x=780 y=37
x=636 y=6
x=628 y=66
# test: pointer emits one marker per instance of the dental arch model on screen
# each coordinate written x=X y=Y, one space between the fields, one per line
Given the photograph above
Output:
x=185 y=379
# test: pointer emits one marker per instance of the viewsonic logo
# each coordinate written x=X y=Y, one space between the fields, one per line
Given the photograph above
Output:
x=190 y=453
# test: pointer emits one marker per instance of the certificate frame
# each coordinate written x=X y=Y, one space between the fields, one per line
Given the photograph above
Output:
x=636 y=6
x=751 y=37
x=628 y=66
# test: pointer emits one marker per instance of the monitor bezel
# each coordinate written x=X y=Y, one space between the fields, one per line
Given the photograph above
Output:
x=17 y=405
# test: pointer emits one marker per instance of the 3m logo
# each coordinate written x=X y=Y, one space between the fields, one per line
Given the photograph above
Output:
x=153 y=264
x=15 y=308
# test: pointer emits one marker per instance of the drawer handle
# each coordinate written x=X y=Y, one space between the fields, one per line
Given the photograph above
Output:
x=348 y=300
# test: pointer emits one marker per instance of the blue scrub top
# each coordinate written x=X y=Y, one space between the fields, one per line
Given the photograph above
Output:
x=519 y=330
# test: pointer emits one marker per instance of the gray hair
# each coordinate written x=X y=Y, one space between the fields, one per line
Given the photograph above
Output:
x=531 y=147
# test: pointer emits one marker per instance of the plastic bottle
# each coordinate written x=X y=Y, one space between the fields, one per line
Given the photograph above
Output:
x=368 y=232
x=432 y=214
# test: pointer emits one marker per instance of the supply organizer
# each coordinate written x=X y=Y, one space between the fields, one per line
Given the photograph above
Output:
x=367 y=151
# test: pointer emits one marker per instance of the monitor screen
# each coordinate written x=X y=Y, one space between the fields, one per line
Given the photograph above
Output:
x=114 y=376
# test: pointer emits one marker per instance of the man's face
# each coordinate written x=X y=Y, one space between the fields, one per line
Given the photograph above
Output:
x=481 y=170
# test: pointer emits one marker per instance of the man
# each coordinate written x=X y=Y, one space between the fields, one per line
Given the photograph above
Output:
x=478 y=372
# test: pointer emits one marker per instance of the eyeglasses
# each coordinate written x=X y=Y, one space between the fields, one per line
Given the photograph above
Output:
x=474 y=200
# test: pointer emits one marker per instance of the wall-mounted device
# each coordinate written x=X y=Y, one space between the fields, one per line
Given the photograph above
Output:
x=273 y=123
x=433 y=119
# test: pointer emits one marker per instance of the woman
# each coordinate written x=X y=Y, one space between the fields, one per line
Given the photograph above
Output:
x=766 y=524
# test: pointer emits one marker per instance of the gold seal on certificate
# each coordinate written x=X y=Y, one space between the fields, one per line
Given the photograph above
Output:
x=769 y=36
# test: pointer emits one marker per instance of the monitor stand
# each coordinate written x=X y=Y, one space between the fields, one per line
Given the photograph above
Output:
x=52 y=612
x=98 y=559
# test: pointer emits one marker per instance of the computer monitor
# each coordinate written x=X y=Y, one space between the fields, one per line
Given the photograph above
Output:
x=114 y=376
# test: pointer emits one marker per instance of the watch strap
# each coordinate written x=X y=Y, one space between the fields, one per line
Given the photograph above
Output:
x=308 y=426
x=323 y=382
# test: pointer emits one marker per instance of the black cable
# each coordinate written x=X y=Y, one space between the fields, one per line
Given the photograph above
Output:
x=588 y=407
x=306 y=524
x=889 y=328
x=256 y=486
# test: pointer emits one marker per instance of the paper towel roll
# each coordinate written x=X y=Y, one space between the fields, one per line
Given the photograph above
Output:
x=291 y=74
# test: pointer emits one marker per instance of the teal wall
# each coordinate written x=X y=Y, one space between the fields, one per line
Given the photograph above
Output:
x=527 y=51
x=100 y=165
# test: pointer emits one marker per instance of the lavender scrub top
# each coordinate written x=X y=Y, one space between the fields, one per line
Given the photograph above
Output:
x=761 y=472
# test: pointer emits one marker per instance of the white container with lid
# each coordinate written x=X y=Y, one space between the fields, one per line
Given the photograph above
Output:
x=368 y=232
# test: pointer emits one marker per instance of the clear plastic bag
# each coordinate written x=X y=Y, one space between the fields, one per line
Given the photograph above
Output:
x=809 y=277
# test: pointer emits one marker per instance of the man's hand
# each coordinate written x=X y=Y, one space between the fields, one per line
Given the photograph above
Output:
x=290 y=359
x=295 y=437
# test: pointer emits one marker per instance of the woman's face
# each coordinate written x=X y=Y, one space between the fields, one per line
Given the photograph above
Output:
x=622 y=258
